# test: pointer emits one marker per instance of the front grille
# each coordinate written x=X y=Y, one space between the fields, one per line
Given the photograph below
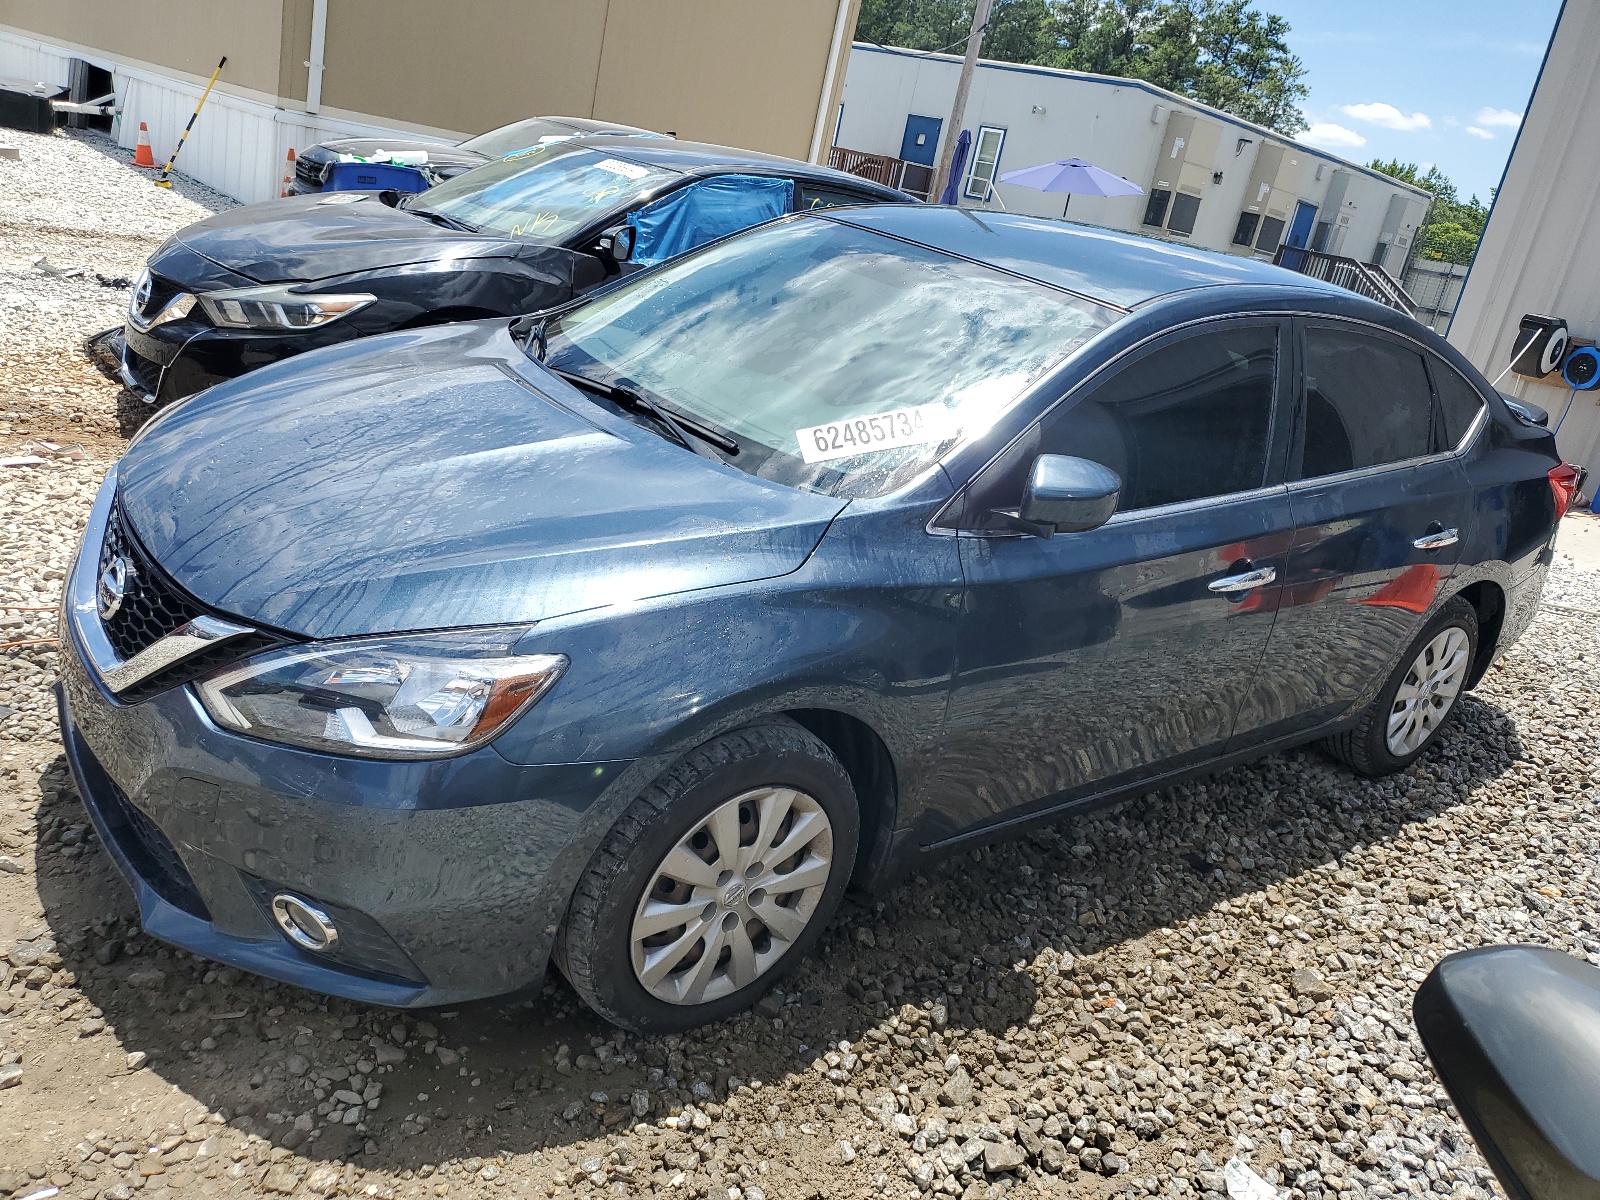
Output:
x=150 y=851
x=151 y=607
x=310 y=173
x=161 y=293
x=363 y=945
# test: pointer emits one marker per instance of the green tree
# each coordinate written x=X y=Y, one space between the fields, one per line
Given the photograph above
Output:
x=1452 y=227
x=1225 y=53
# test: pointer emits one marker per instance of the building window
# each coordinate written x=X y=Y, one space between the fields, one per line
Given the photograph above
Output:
x=1246 y=232
x=1184 y=210
x=1155 y=211
x=1271 y=235
x=985 y=162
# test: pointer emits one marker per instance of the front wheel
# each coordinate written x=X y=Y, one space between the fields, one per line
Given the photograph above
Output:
x=1419 y=698
x=715 y=883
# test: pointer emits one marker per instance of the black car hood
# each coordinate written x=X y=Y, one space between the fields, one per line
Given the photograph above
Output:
x=437 y=478
x=365 y=147
x=305 y=238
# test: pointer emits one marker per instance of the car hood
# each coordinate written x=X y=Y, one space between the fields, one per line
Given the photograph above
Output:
x=366 y=147
x=305 y=238
x=437 y=479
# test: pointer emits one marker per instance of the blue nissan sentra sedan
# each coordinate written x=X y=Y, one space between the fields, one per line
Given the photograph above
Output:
x=632 y=633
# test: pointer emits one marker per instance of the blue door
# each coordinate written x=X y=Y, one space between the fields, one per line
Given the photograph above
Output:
x=1305 y=216
x=921 y=140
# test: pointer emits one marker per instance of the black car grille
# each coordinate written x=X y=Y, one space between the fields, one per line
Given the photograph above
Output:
x=161 y=293
x=153 y=607
x=152 y=854
x=310 y=172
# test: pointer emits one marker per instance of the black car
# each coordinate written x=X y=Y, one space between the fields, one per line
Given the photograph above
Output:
x=445 y=161
x=253 y=285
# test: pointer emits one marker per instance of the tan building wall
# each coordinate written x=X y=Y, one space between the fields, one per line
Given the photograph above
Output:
x=185 y=35
x=743 y=72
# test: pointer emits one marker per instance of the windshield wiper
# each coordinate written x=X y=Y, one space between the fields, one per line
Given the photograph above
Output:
x=445 y=219
x=683 y=429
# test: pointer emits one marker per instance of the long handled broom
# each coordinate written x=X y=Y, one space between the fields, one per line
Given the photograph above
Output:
x=166 y=171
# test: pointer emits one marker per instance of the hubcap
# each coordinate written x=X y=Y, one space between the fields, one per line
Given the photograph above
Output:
x=1428 y=692
x=731 y=898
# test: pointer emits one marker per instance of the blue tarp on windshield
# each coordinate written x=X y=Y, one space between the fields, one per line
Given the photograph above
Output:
x=704 y=211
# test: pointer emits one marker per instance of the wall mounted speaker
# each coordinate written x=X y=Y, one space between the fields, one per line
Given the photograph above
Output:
x=1540 y=346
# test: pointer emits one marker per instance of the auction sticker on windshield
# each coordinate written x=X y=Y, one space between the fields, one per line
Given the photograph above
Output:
x=916 y=426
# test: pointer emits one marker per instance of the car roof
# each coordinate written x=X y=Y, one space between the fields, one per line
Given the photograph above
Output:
x=590 y=125
x=1122 y=269
x=707 y=158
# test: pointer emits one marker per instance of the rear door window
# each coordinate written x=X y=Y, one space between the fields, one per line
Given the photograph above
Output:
x=811 y=195
x=1459 y=404
x=1367 y=403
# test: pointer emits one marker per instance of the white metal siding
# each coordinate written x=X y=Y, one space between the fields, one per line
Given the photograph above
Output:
x=1541 y=249
x=239 y=146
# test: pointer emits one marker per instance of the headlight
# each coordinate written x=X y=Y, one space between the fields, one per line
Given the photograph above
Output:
x=278 y=306
x=393 y=697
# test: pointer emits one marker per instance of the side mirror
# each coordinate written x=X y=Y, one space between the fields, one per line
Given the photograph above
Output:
x=1069 y=495
x=617 y=242
x=1527 y=413
x=1514 y=1033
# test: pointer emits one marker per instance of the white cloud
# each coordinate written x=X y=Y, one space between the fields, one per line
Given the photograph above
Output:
x=1480 y=133
x=1388 y=116
x=1503 y=117
x=1330 y=136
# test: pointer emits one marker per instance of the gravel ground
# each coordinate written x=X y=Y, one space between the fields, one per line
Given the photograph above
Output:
x=1113 y=1007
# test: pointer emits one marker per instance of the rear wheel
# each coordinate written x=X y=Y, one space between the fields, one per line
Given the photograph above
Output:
x=716 y=881
x=1418 y=699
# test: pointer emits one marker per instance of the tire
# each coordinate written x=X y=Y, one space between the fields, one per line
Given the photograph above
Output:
x=1437 y=656
x=773 y=778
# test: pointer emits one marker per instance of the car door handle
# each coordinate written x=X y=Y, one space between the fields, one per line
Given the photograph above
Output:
x=1260 y=577
x=1436 y=539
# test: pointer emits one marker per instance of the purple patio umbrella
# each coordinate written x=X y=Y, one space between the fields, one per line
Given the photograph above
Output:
x=1074 y=177
x=957 y=163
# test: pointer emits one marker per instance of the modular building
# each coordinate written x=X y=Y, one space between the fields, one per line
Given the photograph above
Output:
x=1210 y=179
x=758 y=74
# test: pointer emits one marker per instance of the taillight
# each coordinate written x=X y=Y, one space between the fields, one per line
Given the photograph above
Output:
x=1564 y=486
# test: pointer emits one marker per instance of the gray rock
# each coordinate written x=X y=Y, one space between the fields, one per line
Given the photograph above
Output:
x=387 y=1055
x=956 y=1091
x=1002 y=1156
x=150 y=978
x=296 y=1065
x=10 y=1075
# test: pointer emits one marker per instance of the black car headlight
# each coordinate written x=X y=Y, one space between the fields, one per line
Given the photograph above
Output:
x=411 y=696
x=279 y=307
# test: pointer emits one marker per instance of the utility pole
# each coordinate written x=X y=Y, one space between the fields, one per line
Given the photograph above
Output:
x=958 y=110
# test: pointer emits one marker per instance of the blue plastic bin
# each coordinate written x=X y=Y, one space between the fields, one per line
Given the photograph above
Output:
x=373 y=177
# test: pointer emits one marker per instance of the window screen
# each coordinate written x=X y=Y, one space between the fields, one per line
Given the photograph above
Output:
x=1271 y=234
x=1459 y=404
x=1155 y=211
x=1184 y=210
x=1367 y=403
x=985 y=162
x=1189 y=420
x=1246 y=231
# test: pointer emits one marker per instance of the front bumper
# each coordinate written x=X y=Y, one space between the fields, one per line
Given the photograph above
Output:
x=181 y=358
x=448 y=878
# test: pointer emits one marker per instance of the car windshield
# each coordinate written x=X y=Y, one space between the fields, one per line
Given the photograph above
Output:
x=523 y=135
x=543 y=194
x=841 y=360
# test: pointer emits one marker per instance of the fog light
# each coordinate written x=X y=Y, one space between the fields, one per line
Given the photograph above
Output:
x=303 y=923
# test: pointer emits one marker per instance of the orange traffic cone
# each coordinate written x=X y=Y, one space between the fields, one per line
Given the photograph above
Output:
x=141 y=153
x=288 y=175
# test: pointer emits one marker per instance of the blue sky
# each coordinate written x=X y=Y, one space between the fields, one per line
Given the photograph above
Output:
x=1425 y=81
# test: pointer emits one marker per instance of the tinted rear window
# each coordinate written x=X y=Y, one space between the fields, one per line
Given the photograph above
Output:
x=1367 y=403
